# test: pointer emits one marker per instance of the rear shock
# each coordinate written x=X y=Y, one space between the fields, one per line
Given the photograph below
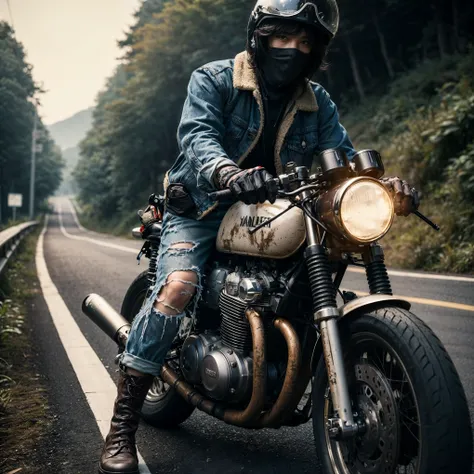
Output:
x=376 y=272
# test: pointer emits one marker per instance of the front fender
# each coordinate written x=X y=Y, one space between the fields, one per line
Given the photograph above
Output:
x=356 y=306
x=371 y=302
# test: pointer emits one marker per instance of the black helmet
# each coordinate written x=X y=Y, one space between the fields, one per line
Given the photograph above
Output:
x=320 y=14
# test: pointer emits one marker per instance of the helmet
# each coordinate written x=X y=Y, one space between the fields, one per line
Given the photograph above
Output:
x=320 y=14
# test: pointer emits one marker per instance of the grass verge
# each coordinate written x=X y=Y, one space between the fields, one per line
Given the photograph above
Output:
x=24 y=417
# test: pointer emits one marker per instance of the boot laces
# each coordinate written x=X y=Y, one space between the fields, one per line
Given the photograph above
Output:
x=123 y=438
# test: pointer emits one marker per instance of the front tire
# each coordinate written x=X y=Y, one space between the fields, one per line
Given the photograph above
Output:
x=163 y=406
x=408 y=394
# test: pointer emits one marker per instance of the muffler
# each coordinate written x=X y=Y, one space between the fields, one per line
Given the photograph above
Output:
x=102 y=314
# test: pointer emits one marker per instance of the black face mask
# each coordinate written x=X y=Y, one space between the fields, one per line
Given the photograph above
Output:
x=281 y=67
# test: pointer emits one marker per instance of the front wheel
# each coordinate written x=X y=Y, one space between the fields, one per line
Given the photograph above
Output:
x=163 y=406
x=406 y=393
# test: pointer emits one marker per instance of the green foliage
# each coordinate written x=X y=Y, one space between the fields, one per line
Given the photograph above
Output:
x=17 y=88
x=436 y=152
x=132 y=142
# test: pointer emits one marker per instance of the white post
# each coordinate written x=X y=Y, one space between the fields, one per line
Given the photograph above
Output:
x=33 y=166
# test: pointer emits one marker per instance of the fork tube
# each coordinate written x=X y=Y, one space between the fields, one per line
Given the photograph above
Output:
x=334 y=359
x=325 y=315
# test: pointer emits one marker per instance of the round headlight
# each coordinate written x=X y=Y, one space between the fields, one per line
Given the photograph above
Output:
x=366 y=210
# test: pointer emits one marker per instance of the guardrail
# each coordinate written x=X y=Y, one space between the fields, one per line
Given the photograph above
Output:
x=10 y=239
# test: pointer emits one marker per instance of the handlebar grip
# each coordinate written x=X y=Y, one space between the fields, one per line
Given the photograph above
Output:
x=221 y=195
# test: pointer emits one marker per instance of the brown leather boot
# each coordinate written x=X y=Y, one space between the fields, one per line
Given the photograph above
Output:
x=119 y=454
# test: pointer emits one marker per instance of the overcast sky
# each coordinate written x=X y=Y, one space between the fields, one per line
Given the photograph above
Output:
x=72 y=46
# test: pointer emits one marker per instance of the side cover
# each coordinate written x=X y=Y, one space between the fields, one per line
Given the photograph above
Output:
x=278 y=239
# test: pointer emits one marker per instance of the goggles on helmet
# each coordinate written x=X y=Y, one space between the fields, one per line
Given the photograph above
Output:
x=323 y=13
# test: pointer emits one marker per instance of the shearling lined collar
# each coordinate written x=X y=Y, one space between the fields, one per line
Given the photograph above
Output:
x=245 y=79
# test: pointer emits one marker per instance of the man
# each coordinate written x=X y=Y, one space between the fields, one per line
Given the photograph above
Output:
x=242 y=121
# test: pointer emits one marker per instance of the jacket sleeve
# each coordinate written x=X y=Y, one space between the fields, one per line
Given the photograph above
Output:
x=201 y=129
x=331 y=133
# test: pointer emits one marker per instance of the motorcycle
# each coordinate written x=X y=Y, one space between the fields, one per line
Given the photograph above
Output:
x=271 y=347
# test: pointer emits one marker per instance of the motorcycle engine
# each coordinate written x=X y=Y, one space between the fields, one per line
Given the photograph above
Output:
x=219 y=361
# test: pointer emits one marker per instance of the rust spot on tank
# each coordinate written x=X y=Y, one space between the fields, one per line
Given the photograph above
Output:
x=227 y=243
x=234 y=231
x=264 y=243
x=252 y=239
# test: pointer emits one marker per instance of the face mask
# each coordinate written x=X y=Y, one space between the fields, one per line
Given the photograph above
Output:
x=281 y=66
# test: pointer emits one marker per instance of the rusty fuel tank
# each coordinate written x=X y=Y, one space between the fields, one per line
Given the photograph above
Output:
x=278 y=239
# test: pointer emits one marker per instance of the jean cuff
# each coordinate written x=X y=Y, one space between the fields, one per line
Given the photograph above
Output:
x=142 y=365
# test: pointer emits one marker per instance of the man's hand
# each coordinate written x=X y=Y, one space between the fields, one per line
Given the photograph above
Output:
x=405 y=197
x=250 y=186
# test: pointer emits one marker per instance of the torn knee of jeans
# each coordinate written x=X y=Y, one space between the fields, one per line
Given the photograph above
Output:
x=182 y=247
x=186 y=282
x=168 y=306
x=181 y=293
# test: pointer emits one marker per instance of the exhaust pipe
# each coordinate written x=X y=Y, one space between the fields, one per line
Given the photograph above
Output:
x=118 y=328
x=102 y=314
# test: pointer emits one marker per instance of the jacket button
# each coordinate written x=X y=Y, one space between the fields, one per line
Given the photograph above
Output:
x=303 y=144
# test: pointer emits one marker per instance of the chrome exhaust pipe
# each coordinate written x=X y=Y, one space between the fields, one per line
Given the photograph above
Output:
x=102 y=314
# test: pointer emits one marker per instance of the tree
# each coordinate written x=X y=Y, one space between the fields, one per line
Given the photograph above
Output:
x=17 y=89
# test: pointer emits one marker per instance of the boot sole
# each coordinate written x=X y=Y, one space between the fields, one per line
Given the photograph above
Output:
x=102 y=471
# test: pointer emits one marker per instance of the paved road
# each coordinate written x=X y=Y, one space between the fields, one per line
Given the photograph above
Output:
x=78 y=266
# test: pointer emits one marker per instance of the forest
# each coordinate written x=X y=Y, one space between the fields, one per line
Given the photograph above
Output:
x=18 y=96
x=401 y=73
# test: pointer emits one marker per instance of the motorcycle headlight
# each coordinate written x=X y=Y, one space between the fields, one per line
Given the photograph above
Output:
x=360 y=208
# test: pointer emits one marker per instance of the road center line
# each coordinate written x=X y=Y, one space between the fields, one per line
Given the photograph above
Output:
x=95 y=381
x=425 y=301
x=426 y=276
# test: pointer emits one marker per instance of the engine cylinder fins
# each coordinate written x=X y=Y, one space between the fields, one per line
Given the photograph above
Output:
x=235 y=329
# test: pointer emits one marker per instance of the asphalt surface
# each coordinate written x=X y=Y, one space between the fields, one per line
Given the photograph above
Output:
x=201 y=444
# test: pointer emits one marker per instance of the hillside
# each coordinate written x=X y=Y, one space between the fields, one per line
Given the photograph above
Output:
x=67 y=134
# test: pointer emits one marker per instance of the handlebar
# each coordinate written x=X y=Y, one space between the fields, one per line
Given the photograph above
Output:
x=227 y=193
x=221 y=195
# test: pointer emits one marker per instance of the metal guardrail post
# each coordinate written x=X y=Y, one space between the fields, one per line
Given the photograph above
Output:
x=10 y=239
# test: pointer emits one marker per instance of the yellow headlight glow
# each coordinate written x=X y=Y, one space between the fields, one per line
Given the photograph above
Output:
x=366 y=210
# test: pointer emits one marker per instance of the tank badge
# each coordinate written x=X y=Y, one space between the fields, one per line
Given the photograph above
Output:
x=254 y=221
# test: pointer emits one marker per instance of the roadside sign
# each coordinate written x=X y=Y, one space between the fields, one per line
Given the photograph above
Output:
x=15 y=200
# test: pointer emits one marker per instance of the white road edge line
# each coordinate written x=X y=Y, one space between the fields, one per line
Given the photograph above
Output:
x=89 y=239
x=74 y=215
x=95 y=381
x=427 y=276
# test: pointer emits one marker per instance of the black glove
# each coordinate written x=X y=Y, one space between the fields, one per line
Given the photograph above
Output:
x=405 y=197
x=250 y=186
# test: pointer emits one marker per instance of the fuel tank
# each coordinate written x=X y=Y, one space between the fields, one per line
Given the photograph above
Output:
x=278 y=239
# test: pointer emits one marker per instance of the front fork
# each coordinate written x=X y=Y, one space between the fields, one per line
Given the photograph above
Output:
x=325 y=315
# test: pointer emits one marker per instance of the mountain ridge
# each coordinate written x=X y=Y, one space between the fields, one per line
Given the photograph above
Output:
x=67 y=134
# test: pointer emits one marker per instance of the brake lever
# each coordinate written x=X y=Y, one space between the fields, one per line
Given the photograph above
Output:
x=425 y=219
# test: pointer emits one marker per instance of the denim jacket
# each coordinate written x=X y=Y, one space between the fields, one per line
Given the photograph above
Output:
x=222 y=121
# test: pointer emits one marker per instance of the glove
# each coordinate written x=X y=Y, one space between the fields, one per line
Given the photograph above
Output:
x=405 y=198
x=250 y=186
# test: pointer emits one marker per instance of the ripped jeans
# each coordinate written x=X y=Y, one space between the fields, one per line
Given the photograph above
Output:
x=152 y=331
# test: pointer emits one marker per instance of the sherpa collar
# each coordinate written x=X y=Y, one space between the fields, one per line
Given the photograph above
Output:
x=245 y=79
